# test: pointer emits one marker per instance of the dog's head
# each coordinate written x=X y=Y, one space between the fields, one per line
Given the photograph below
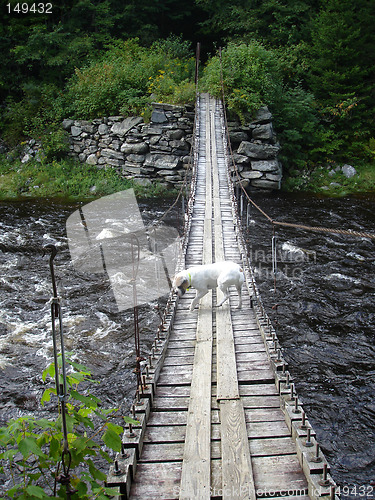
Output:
x=181 y=283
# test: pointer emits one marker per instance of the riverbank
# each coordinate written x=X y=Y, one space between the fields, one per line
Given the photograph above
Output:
x=332 y=180
x=69 y=180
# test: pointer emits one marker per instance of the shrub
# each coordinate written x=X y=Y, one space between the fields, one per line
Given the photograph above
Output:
x=126 y=79
x=252 y=77
x=32 y=448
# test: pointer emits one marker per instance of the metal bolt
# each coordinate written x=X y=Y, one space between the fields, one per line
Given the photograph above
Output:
x=303 y=423
x=131 y=432
x=279 y=355
x=324 y=481
x=276 y=345
x=287 y=381
x=296 y=409
x=291 y=391
x=133 y=411
x=308 y=443
x=333 y=492
x=144 y=382
x=123 y=452
x=316 y=458
x=150 y=360
x=117 y=471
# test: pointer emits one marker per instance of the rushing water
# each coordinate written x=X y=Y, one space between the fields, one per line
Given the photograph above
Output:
x=325 y=291
x=325 y=317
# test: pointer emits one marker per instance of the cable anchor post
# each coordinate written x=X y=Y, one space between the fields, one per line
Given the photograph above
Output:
x=61 y=388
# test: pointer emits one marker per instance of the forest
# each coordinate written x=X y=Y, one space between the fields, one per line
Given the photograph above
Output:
x=310 y=61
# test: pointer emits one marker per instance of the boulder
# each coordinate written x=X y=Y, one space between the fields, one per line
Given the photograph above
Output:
x=122 y=128
x=263 y=132
x=348 y=171
x=251 y=174
x=265 y=184
x=110 y=153
x=158 y=116
x=139 y=148
x=263 y=115
x=236 y=137
x=66 y=124
x=162 y=162
x=265 y=166
x=92 y=159
x=75 y=131
x=258 y=151
x=103 y=129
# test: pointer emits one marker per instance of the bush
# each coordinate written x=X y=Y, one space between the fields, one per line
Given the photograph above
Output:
x=126 y=79
x=253 y=77
x=32 y=449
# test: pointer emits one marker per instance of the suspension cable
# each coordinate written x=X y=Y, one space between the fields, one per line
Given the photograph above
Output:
x=348 y=232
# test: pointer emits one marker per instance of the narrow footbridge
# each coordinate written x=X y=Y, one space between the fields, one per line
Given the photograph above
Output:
x=219 y=417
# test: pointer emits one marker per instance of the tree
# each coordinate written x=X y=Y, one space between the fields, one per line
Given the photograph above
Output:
x=341 y=71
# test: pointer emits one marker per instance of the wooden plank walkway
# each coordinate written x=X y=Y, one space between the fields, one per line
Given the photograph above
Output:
x=218 y=415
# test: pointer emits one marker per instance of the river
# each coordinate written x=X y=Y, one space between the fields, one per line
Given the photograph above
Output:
x=325 y=317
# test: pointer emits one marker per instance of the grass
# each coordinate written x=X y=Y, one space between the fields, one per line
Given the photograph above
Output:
x=328 y=181
x=66 y=179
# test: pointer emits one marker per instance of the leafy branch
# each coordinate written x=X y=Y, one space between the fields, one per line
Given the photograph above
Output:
x=32 y=452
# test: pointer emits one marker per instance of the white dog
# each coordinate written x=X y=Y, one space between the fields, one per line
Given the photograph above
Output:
x=203 y=278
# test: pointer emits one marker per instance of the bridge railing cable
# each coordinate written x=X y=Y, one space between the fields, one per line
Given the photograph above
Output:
x=347 y=232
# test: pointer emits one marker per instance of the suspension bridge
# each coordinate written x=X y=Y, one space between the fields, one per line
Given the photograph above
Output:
x=217 y=410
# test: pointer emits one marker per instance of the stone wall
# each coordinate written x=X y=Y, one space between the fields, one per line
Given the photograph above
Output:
x=159 y=150
x=255 y=151
x=138 y=150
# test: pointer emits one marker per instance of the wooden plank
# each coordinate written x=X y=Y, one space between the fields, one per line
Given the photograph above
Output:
x=172 y=391
x=278 y=473
x=227 y=381
x=165 y=434
x=177 y=417
x=261 y=402
x=196 y=465
x=170 y=403
x=159 y=481
x=272 y=446
x=236 y=462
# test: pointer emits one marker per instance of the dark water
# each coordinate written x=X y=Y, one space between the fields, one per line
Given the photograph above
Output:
x=326 y=321
x=325 y=291
x=97 y=334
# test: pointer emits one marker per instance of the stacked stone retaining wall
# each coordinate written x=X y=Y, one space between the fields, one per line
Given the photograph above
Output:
x=159 y=150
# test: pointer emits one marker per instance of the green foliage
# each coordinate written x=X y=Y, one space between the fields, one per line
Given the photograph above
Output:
x=66 y=179
x=32 y=449
x=329 y=180
x=124 y=79
x=63 y=179
x=253 y=77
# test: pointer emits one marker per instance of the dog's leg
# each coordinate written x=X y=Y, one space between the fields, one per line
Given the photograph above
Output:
x=225 y=291
x=197 y=298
